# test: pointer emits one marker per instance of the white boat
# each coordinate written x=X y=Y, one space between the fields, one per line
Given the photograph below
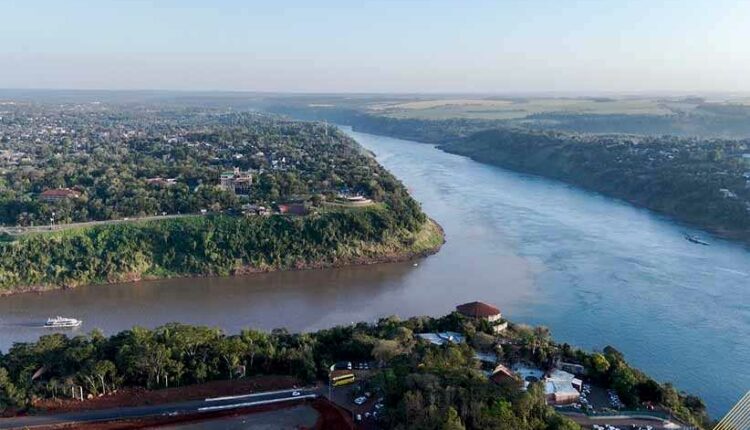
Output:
x=61 y=322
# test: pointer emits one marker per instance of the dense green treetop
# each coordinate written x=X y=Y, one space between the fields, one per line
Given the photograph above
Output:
x=109 y=153
x=423 y=386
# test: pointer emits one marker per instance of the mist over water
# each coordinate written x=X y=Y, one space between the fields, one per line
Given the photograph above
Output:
x=595 y=270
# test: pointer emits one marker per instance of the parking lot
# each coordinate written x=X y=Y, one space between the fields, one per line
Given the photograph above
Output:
x=364 y=405
x=597 y=398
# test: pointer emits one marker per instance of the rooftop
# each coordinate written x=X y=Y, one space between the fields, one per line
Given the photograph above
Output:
x=442 y=338
x=477 y=310
x=60 y=192
x=561 y=382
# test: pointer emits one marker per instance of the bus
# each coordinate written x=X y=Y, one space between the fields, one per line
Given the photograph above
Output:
x=341 y=378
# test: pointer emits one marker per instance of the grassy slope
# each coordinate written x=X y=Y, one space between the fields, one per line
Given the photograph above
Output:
x=204 y=246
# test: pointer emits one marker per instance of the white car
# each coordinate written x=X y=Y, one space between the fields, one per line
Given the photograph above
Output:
x=296 y=393
x=360 y=400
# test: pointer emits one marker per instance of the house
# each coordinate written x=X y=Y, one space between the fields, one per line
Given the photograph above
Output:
x=502 y=374
x=236 y=181
x=562 y=388
x=354 y=200
x=161 y=182
x=253 y=209
x=58 y=194
x=293 y=208
x=483 y=311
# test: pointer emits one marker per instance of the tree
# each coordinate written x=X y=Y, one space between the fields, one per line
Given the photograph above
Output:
x=10 y=396
x=384 y=350
x=624 y=380
x=599 y=363
x=559 y=422
x=452 y=421
x=231 y=351
x=483 y=341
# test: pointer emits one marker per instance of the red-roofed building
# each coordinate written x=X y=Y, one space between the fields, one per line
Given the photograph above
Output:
x=293 y=209
x=479 y=310
x=483 y=311
x=502 y=374
x=57 y=194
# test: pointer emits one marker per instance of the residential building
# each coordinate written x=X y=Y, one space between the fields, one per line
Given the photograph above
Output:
x=236 y=181
x=293 y=208
x=161 y=182
x=502 y=374
x=58 y=194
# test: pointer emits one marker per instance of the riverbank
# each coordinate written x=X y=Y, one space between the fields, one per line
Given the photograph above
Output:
x=563 y=165
x=695 y=181
x=640 y=174
x=209 y=246
x=471 y=364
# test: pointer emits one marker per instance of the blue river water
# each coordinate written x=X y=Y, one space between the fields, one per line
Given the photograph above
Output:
x=598 y=271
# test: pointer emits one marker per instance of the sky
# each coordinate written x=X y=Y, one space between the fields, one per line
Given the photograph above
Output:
x=438 y=46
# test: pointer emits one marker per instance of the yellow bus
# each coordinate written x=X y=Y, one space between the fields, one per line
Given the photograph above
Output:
x=342 y=379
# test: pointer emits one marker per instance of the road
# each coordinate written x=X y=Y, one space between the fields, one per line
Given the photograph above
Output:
x=193 y=406
x=18 y=231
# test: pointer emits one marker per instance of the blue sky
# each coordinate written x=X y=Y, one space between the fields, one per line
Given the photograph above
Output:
x=377 y=46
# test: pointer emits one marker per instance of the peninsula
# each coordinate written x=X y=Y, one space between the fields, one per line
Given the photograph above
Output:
x=93 y=193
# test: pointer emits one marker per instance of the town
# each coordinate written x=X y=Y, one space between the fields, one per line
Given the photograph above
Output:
x=76 y=163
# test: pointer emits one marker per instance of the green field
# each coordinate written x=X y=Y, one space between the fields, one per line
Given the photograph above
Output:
x=504 y=109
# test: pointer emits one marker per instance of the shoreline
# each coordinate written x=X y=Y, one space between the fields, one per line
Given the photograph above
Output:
x=737 y=237
x=246 y=271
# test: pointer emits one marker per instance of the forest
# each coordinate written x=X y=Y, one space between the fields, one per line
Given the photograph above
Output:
x=126 y=161
x=427 y=386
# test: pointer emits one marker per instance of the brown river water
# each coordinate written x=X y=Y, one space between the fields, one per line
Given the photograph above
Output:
x=595 y=270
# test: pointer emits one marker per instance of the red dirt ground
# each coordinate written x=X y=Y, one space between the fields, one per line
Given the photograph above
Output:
x=331 y=417
x=139 y=396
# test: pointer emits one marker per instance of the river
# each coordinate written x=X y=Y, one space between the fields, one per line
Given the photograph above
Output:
x=595 y=270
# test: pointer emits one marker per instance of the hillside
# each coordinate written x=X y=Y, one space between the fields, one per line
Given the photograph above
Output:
x=705 y=182
x=261 y=193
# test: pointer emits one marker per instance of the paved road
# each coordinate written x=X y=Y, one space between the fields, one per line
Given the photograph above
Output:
x=206 y=405
x=19 y=231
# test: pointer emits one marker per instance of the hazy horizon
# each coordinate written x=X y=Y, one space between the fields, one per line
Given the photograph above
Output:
x=387 y=47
